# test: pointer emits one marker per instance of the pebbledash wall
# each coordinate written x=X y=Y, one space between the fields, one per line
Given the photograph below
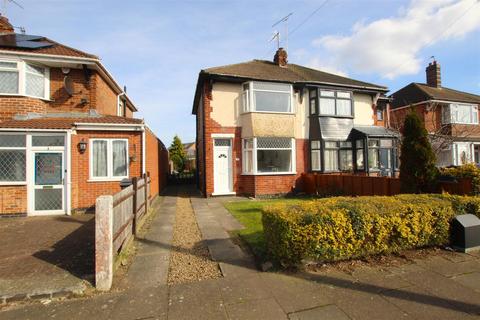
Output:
x=220 y=107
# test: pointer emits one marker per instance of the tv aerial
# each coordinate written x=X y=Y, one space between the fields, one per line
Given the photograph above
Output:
x=5 y=5
x=277 y=34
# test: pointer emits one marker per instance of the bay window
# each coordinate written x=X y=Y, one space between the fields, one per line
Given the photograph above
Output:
x=267 y=97
x=21 y=78
x=315 y=153
x=359 y=155
x=12 y=158
x=108 y=159
x=268 y=155
x=460 y=114
x=346 y=156
x=331 y=156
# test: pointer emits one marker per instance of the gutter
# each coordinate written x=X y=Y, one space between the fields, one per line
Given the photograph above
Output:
x=433 y=100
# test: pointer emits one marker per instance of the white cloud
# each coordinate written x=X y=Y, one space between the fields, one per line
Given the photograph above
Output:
x=326 y=66
x=391 y=46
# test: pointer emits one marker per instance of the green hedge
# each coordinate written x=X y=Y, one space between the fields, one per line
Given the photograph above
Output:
x=343 y=227
x=469 y=170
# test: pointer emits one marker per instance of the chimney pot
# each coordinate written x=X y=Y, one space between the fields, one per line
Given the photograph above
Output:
x=5 y=26
x=280 y=58
x=433 y=74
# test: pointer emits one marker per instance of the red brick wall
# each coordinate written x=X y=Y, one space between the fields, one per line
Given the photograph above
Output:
x=84 y=193
x=13 y=200
x=97 y=93
x=156 y=162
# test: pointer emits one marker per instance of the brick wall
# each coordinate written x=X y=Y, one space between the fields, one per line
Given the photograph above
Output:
x=96 y=93
x=84 y=192
x=13 y=200
x=156 y=162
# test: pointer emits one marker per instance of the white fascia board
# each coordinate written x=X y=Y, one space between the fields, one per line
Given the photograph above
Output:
x=33 y=130
x=109 y=127
x=223 y=135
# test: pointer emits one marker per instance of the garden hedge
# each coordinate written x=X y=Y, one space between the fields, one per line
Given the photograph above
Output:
x=344 y=227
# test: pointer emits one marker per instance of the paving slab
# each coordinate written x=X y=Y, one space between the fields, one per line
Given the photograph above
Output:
x=470 y=280
x=265 y=309
x=201 y=300
x=448 y=268
x=237 y=290
x=147 y=303
x=330 y=312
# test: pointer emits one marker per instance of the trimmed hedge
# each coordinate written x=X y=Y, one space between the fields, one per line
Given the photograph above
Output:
x=469 y=170
x=343 y=227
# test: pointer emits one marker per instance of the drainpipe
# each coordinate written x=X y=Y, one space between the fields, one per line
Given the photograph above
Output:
x=118 y=101
x=143 y=149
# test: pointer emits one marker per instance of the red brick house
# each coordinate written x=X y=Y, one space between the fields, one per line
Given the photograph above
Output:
x=261 y=124
x=67 y=132
x=450 y=117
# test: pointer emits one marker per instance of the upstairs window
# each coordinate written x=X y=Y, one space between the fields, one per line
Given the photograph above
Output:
x=20 y=78
x=335 y=103
x=9 y=77
x=121 y=108
x=267 y=97
x=460 y=114
x=379 y=114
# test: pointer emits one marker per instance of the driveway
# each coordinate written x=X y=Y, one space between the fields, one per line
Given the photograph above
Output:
x=45 y=255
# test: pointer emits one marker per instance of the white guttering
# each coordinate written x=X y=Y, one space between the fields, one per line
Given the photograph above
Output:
x=429 y=101
x=32 y=130
x=109 y=126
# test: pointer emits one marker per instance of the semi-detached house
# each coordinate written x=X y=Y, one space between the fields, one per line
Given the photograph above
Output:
x=67 y=131
x=261 y=124
x=450 y=117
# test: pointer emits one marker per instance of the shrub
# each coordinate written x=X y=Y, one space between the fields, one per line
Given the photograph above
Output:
x=469 y=170
x=343 y=228
x=417 y=159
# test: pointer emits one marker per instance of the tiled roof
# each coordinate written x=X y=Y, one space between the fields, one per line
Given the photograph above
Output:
x=293 y=73
x=55 y=49
x=65 y=123
x=418 y=92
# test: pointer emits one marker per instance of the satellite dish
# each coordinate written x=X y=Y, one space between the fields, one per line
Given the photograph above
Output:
x=68 y=85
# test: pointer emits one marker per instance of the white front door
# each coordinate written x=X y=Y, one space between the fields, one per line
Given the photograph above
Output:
x=48 y=182
x=222 y=166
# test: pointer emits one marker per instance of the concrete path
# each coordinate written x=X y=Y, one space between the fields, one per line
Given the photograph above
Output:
x=444 y=286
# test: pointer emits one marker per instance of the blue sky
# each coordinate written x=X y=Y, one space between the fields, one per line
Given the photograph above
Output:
x=157 y=48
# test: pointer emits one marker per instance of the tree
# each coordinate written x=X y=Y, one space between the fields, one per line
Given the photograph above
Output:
x=177 y=154
x=417 y=167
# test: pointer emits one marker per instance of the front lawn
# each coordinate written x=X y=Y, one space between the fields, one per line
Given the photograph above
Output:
x=249 y=213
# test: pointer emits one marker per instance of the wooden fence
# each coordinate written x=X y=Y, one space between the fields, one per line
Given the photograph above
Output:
x=354 y=185
x=117 y=220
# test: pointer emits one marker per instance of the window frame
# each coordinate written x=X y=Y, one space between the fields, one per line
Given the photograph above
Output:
x=19 y=182
x=121 y=108
x=254 y=150
x=393 y=162
x=335 y=97
x=109 y=176
x=22 y=78
x=379 y=114
x=451 y=111
x=248 y=101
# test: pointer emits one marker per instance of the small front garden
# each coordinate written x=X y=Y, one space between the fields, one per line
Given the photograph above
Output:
x=286 y=231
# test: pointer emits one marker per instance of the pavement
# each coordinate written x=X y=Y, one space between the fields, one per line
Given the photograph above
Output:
x=437 y=286
x=41 y=257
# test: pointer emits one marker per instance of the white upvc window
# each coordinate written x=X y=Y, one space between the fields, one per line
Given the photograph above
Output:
x=267 y=97
x=460 y=113
x=121 y=108
x=25 y=79
x=108 y=159
x=13 y=165
x=268 y=156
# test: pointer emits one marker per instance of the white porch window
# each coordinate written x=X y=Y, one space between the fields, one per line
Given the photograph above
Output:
x=268 y=155
x=108 y=159
x=267 y=97
x=12 y=158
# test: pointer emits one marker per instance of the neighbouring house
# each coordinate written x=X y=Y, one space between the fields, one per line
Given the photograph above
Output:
x=67 y=131
x=450 y=117
x=190 y=154
x=261 y=124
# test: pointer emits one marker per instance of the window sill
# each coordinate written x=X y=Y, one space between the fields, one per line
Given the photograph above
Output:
x=269 y=174
x=106 y=179
x=269 y=112
x=334 y=116
x=13 y=183
x=25 y=96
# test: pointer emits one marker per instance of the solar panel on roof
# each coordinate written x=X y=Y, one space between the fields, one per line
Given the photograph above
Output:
x=23 y=41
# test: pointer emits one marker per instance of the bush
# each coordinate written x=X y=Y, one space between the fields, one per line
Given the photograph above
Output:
x=343 y=228
x=469 y=170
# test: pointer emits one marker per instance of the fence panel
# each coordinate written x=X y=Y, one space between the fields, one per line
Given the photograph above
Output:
x=117 y=219
x=355 y=185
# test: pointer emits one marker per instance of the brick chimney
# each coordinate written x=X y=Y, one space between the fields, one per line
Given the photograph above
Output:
x=434 y=78
x=5 y=26
x=280 y=57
